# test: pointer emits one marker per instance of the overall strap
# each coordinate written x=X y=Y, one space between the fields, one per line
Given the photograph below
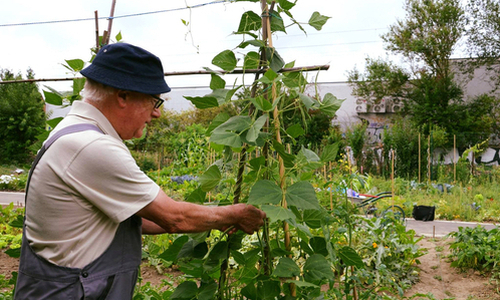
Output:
x=66 y=130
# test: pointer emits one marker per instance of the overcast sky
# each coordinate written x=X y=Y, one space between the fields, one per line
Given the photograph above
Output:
x=352 y=33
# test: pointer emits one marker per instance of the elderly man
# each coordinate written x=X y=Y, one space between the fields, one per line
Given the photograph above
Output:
x=87 y=201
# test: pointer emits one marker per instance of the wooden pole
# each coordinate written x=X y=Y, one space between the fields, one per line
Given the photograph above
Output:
x=419 y=158
x=331 y=189
x=110 y=22
x=183 y=73
x=97 y=45
x=392 y=178
x=266 y=16
x=429 y=160
x=454 y=158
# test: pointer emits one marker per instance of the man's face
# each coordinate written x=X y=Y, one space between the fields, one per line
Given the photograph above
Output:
x=140 y=110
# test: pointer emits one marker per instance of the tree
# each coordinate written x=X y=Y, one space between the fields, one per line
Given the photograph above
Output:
x=22 y=117
x=426 y=39
x=428 y=36
x=483 y=36
x=381 y=79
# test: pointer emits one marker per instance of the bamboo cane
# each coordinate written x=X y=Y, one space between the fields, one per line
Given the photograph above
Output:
x=454 y=158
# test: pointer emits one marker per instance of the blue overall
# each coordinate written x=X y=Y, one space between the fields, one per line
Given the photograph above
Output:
x=111 y=276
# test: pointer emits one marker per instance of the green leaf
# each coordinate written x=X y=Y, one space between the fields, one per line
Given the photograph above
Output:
x=235 y=124
x=309 y=102
x=318 y=244
x=255 y=128
x=78 y=84
x=268 y=289
x=313 y=217
x=302 y=195
x=230 y=139
x=203 y=102
x=53 y=122
x=197 y=196
x=218 y=120
x=256 y=43
x=277 y=23
x=207 y=291
x=330 y=152
x=18 y=222
x=217 y=82
x=309 y=155
x=222 y=95
x=317 y=20
x=288 y=159
x=317 y=268
x=276 y=63
x=265 y=192
x=210 y=178
x=271 y=75
x=350 y=257
x=226 y=60
x=15 y=253
x=295 y=131
x=75 y=64
x=193 y=249
x=250 y=21
x=294 y=79
x=185 y=290
x=262 y=103
x=173 y=251
x=330 y=104
x=257 y=163
x=219 y=251
x=251 y=60
x=277 y=213
x=286 y=268
x=302 y=283
x=286 y=5
x=118 y=37
x=52 y=98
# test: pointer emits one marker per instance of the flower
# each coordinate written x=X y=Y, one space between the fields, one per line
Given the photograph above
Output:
x=374 y=245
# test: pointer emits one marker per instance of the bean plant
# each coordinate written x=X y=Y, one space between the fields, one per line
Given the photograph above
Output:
x=294 y=255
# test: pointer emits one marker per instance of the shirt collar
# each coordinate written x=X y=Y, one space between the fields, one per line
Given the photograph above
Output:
x=89 y=113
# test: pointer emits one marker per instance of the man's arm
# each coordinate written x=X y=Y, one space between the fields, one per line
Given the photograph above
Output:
x=170 y=216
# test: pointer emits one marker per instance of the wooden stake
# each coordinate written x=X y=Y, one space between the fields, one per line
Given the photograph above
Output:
x=429 y=160
x=392 y=178
x=331 y=189
x=97 y=45
x=419 y=159
x=454 y=158
x=110 y=22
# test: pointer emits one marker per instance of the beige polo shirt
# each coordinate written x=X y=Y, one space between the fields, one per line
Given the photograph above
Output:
x=83 y=187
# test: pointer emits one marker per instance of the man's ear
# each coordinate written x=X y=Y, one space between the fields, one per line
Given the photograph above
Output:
x=121 y=98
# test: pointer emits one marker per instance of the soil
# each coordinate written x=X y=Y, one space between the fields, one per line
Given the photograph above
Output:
x=436 y=275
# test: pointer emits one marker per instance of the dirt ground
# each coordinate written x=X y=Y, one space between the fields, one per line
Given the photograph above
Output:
x=445 y=282
x=436 y=275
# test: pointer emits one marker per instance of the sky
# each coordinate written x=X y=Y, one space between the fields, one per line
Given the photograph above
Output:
x=349 y=36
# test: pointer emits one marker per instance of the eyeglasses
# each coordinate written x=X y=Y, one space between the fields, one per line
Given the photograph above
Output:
x=159 y=101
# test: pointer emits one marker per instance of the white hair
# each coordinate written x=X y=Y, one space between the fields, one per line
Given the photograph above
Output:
x=96 y=92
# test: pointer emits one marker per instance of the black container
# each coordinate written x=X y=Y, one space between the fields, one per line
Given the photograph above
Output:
x=423 y=213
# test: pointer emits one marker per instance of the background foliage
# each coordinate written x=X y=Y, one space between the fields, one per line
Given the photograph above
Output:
x=22 y=118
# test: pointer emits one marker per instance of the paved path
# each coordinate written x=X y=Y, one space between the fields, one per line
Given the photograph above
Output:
x=439 y=228
x=429 y=229
x=7 y=197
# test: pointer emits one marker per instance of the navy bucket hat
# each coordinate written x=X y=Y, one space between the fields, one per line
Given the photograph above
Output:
x=128 y=67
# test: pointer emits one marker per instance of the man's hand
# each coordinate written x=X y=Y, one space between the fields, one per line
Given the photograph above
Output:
x=248 y=218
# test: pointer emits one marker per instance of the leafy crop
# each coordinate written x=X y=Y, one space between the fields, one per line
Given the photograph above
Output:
x=478 y=249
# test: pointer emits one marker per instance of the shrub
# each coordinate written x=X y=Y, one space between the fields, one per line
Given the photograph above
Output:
x=22 y=117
